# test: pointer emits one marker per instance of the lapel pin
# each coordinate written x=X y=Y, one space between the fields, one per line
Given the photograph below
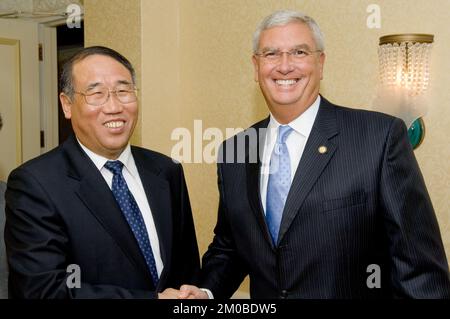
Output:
x=322 y=149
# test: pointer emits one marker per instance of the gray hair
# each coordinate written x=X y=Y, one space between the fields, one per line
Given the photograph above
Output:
x=66 y=80
x=283 y=17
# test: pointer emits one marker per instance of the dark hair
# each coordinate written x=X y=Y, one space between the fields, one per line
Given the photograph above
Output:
x=66 y=80
x=1 y=122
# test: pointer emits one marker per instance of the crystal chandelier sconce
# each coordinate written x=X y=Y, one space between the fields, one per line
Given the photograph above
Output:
x=404 y=74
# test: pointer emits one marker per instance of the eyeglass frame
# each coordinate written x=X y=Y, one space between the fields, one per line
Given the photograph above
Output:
x=279 y=53
x=135 y=89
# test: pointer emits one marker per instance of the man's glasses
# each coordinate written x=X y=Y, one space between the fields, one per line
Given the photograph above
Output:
x=275 y=55
x=99 y=95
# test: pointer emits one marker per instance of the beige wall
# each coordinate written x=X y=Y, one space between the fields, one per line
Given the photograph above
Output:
x=117 y=24
x=195 y=64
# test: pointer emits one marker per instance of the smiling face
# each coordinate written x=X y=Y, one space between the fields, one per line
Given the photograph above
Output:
x=104 y=129
x=291 y=85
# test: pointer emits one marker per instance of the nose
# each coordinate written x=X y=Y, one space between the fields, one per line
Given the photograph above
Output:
x=285 y=66
x=112 y=105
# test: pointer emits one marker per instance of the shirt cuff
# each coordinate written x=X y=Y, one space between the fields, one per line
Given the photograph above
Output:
x=208 y=292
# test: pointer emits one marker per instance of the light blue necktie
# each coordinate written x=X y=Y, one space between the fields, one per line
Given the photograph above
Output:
x=133 y=215
x=279 y=182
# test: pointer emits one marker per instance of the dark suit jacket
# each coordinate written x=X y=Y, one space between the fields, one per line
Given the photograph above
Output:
x=362 y=202
x=60 y=211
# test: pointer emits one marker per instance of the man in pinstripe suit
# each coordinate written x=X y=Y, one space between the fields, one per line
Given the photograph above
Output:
x=357 y=221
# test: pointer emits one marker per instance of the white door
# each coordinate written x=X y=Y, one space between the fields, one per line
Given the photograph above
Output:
x=19 y=94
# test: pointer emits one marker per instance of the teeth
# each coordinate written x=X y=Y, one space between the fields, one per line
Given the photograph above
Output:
x=114 y=124
x=286 y=82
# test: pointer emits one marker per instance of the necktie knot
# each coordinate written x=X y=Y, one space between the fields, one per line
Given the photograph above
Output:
x=283 y=133
x=114 y=167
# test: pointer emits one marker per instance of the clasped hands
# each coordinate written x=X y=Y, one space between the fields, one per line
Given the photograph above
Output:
x=185 y=292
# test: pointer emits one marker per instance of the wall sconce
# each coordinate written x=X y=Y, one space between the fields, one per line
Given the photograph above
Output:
x=404 y=74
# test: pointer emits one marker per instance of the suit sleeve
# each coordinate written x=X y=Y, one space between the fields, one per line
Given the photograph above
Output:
x=38 y=248
x=419 y=265
x=222 y=270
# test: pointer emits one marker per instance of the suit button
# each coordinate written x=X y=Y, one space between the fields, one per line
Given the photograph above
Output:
x=284 y=294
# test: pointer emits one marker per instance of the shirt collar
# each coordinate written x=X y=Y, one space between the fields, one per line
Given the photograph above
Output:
x=125 y=157
x=302 y=124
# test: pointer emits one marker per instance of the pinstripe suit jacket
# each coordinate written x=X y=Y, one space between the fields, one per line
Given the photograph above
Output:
x=363 y=202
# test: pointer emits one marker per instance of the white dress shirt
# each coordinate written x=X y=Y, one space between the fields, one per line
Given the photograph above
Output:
x=131 y=176
x=295 y=143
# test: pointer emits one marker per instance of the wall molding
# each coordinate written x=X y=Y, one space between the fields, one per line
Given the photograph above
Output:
x=34 y=6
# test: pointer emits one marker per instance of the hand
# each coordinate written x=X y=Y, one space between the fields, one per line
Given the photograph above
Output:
x=192 y=292
x=169 y=293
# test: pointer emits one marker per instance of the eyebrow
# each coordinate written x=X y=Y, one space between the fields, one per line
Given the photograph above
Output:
x=124 y=82
x=92 y=85
x=299 y=46
x=96 y=84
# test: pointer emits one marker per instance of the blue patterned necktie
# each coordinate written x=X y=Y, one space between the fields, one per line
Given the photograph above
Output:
x=279 y=182
x=133 y=215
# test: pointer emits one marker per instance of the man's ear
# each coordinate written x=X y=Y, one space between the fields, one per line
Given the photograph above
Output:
x=66 y=103
x=322 y=62
x=256 y=66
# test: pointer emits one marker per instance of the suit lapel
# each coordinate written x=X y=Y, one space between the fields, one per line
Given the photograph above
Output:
x=158 y=195
x=94 y=192
x=253 y=171
x=312 y=163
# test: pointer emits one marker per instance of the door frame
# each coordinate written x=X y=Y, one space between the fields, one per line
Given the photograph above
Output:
x=48 y=68
x=48 y=86
x=27 y=34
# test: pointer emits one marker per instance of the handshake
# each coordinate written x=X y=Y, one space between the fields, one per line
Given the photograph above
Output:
x=185 y=292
